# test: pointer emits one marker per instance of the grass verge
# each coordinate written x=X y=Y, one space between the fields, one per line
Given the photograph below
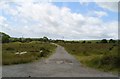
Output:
x=35 y=51
x=99 y=56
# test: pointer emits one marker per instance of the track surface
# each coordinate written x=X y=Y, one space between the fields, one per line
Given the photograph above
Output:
x=60 y=64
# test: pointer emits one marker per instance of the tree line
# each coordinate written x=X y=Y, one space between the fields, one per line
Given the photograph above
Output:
x=4 y=38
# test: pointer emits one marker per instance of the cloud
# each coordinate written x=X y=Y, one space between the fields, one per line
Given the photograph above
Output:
x=112 y=6
x=107 y=5
x=2 y=22
x=45 y=19
x=4 y=27
x=2 y=19
x=100 y=13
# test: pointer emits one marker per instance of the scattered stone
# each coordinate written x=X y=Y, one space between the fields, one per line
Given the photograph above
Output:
x=46 y=62
x=17 y=53
x=41 y=51
x=71 y=63
x=20 y=53
x=59 y=62
x=23 y=53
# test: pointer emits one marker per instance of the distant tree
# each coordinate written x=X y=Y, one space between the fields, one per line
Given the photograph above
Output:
x=15 y=39
x=72 y=41
x=112 y=41
x=104 y=41
x=84 y=42
x=97 y=42
x=45 y=39
x=27 y=40
x=59 y=41
x=5 y=37
x=20 y=39
x=50 y=40
x=39 y=39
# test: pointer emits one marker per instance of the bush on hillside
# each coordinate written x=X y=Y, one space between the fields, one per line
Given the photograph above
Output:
x=104 y=41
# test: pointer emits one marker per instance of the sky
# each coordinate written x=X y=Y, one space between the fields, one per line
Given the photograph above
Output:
x=60 y=20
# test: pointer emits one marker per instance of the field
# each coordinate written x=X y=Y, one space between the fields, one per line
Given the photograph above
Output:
x=95 y=55
x=31 y=51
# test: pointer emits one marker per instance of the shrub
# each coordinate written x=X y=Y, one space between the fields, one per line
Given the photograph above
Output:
x=112 y=41
x=44 y=53
x=84 y=42
x=104 y=41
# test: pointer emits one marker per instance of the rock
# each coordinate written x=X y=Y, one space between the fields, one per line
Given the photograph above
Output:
x=59 y=62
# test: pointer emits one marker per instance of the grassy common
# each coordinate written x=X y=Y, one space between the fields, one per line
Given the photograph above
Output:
x=103 y=56
x=35 y=50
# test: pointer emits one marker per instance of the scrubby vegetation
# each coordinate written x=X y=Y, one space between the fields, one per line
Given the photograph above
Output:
x=101 y=55
x=35 y=50
x=23 y=50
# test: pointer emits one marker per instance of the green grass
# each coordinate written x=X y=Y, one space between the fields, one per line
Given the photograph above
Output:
x=100 y=56
x=32 y=48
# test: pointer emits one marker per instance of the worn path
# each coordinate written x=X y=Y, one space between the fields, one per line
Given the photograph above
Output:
x=60 y=64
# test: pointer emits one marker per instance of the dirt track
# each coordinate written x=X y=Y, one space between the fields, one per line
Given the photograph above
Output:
x=60 y=64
